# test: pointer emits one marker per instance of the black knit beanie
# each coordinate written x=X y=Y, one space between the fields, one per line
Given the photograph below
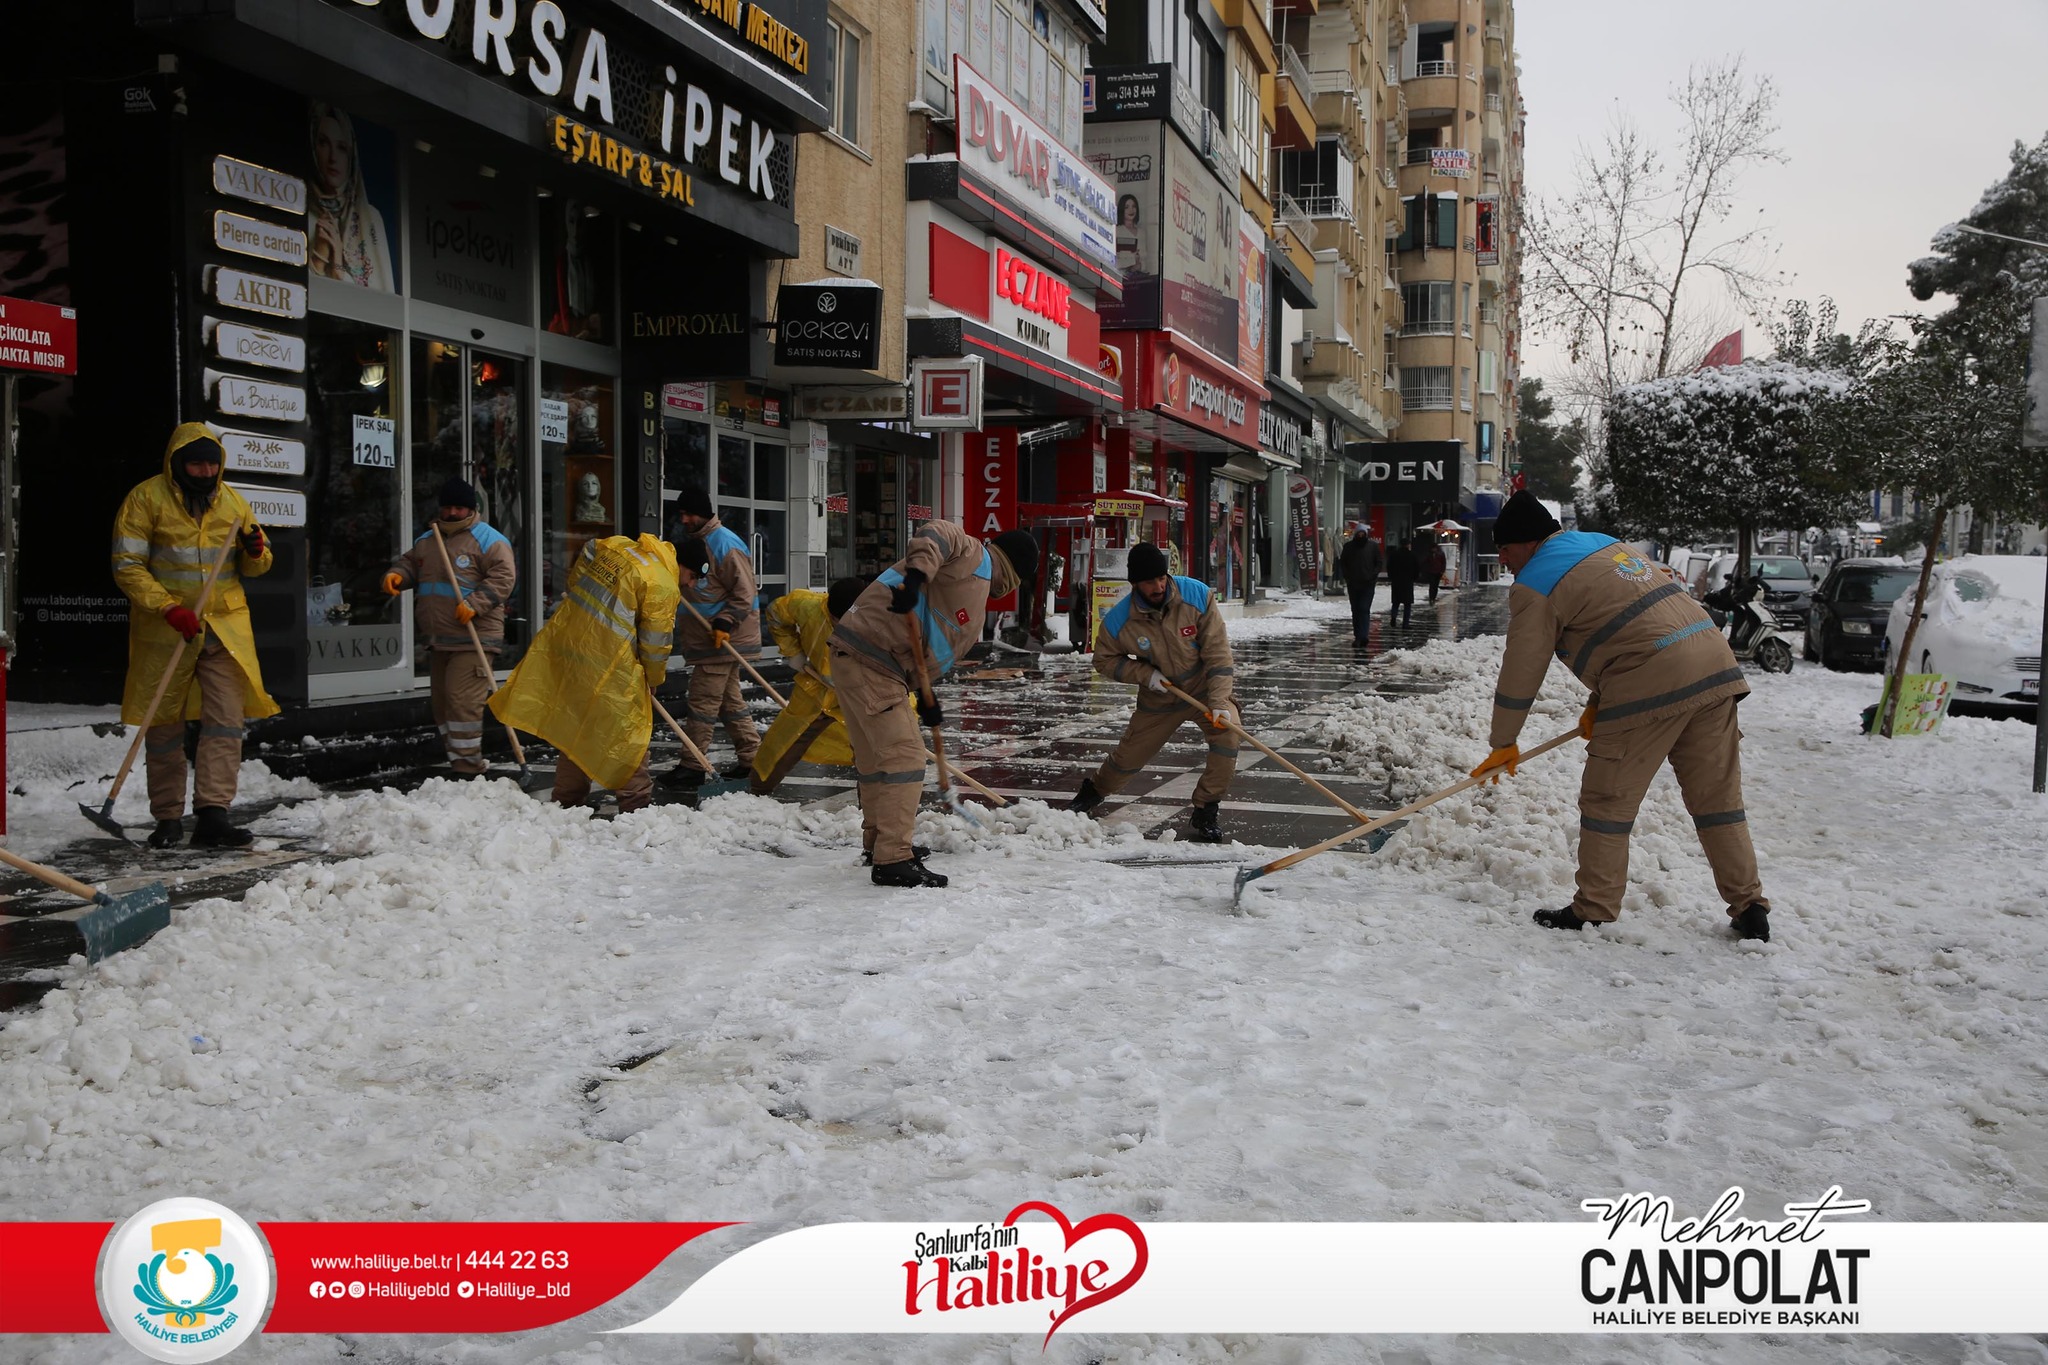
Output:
x=1145 y=564
x=1522 y=520
x=1021 y=550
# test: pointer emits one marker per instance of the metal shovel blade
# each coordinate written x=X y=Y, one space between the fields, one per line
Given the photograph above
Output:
x=1245 y=877
x=103 y=816
x=117 y=922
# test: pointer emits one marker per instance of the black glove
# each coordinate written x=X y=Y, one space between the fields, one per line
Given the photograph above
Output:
x=929 y=713
x=724 y=623
x=252 y=542
x=903 y=598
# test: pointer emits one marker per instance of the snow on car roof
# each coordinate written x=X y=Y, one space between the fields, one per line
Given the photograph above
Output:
x=2022 y=577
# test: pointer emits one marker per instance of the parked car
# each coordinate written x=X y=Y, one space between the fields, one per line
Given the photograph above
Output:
x=1850 y=609
x=1788 y=588
x=1691 y=567
x=1981 y=627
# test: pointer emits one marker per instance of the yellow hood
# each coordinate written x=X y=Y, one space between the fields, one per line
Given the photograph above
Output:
x=183 y=435
x=663 y=551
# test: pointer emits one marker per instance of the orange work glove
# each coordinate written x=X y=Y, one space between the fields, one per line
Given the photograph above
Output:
x=1586 y=720
x=464 y=612
x=1506 y=757
x=719 y=638
x=394 y=583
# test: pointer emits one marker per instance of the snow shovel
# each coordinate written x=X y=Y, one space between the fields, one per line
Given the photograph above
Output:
x=1259 y=744
x=995 y=798
x=924 y=688
x=114 y=922
x=1246 y=876
x=104 y=816
x=713 y=784
x=526 y=781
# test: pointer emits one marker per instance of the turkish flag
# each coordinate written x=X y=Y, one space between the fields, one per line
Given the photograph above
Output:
x=1727 y=351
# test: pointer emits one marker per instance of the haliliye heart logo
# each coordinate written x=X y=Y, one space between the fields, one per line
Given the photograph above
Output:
x=1075 y=1232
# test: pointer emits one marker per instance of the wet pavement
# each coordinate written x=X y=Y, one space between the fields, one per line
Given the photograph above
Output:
x=1022 y=724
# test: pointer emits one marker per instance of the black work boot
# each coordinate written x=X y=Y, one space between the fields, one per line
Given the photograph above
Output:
x=1755 y=922
x=917 y=851
x=684 y=778
x=1206 y=830
x=212 y=830
x=737 y=771
x=1086 y=799
x=1566 y=918
x=167 y=834
x=910 y=872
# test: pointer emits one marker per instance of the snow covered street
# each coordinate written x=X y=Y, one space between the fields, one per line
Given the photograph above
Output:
x=488 y=1008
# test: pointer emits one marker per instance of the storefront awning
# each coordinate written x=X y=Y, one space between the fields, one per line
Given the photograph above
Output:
x=1244 y=468
x=1021 y=380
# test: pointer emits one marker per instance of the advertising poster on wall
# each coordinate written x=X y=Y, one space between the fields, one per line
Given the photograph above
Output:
x=469 y=245
x=353 y=200
x=1198 y=270
x=1251 y=296
x=1126 y=156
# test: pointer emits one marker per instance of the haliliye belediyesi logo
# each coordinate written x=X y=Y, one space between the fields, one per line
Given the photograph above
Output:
x=987 y=1265
x=185 y=1280
x=1657 y=1269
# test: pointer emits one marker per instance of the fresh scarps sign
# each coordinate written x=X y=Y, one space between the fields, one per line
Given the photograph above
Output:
x=838 y=325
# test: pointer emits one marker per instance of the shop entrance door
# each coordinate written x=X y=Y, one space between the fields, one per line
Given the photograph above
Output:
x=748 y=476
x=469 y=421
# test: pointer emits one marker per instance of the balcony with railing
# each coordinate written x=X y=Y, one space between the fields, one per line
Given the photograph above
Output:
x=1429 y=327
x=1426 y=395
x=1495 y=104
x=1388 y=178
x=1497 y=33
x=1489 y=315
x=1339 y=110
x=1427 y=70
x=1294 y=95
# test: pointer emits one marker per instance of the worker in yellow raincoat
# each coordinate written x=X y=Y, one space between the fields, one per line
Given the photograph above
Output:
x=167 y=535
x=809 y=730
x=584 y=685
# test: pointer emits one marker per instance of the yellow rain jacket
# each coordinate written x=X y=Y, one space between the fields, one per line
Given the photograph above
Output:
x=161 y=559
x=802 y=630
x=583 y=686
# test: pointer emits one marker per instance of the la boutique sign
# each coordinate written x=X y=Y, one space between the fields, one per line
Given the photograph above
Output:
x=532 y=44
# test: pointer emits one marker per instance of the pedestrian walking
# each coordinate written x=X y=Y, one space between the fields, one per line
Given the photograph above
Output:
x=721 y=609
x=1360 y=564
x=1402 y=570
x=171 y=529
x=942 y=586
x=1166 y=630
x=1665 y=688
x=1433 y=563
x=586 y=682
x=459 y=681
x=810 y=728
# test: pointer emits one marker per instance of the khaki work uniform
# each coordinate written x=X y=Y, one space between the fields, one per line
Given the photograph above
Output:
x=1665 y=687
x=872 y=666
x=1184 y=638
x=586 y=684
x=460 y=684
x=728 y=589
x=161 y=557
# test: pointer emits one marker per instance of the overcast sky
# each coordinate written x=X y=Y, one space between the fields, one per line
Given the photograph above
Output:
x=1895 y=116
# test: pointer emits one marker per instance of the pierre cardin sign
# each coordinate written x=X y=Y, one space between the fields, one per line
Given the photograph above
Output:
x=239 y=233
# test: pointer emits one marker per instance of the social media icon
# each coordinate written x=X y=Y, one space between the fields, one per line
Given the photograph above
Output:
x=465 y=1290
x=319 y=1289
x=355 y=1289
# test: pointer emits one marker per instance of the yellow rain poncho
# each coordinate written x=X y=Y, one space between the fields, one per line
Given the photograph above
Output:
x=161 y=559
x=583 y=686
x=802 y=630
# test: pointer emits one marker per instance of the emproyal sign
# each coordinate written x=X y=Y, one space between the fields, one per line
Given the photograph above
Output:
x=41 y=338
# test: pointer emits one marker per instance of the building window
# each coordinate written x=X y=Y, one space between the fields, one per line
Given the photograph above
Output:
x=1465 y=387
x=1486 y=443
x=1026 y=49
x=1426 y=305
x=1465 y=310
x=1488 y=379
x=844 y=44
x=1428 y=220
x=1426 y=388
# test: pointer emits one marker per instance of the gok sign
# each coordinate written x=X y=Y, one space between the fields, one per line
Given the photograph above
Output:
x=833 y=325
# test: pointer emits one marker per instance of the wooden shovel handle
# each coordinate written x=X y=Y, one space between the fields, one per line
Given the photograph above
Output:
x=51 y=875
x=924 y=691
x=681 y=734
x=518 y=751
x=755 y=674
x=163 y=684
x=1259 y=744
x=996 y=797
x=1280 y=864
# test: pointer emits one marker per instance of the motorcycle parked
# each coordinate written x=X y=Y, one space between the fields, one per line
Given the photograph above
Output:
x=1752 y=630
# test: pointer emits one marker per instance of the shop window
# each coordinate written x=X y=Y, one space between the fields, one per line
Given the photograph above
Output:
x=579 y=471
x=747 y=475
x=469 y=422
x=877 y=511
x=356 y=500
x=845 y=43
x=578 y=252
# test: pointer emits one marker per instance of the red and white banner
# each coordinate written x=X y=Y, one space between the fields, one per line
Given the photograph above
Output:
x=1727 y=351
x=41 y=338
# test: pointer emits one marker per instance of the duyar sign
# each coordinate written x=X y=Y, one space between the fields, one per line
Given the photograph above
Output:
x=997 y=138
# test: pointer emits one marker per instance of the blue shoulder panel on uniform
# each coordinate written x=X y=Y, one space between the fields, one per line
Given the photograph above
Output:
x=890 y=578
x=487 y=535
x=1193 y=591
x=721 y=543
x=1558 y=556
x=1117 y=617
x=987 y=568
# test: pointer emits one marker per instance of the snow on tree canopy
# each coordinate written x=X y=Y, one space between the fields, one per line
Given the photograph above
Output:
x=1721 y=449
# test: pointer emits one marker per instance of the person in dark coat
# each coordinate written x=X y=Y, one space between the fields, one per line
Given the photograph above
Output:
x=1360 y=562
x=1402 y=569
x=1433 y=561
